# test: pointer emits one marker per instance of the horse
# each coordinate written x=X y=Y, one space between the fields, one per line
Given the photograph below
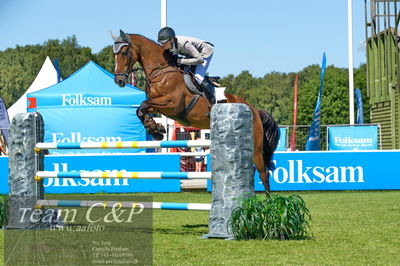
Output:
x=168 y=94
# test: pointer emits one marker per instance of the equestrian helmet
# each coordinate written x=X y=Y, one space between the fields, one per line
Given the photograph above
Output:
x=165 y=34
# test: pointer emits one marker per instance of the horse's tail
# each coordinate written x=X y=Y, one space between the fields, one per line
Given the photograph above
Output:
x=271 y=138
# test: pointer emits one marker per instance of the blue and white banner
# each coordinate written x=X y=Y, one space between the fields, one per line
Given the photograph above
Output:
x=353 y=138
x=282 y=139
x=313 y=138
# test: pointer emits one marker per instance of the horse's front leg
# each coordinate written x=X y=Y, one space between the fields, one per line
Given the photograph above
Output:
x=152 y=128
x=150 y=106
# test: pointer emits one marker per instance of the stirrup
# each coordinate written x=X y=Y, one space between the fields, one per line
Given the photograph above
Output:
x=216 y=84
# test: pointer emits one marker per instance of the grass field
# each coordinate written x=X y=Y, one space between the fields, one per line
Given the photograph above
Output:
x=349 y=228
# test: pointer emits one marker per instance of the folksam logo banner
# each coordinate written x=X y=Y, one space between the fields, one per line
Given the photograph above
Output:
x=100 y=124
x=353 y=138
x=313 y=138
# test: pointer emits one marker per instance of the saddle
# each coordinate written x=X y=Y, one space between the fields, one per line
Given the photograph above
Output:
x=193 y=86
x=198 y=91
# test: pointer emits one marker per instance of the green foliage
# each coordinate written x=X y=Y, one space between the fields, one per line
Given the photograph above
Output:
x=277 y=217
x=271 y=92
x=105 y=58
x=274 y=93
x=19 y=66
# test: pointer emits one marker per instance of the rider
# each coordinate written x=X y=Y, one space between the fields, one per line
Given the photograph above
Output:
x=196 y=52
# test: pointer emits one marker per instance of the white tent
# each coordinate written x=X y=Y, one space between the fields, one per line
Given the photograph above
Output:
x=47 y=76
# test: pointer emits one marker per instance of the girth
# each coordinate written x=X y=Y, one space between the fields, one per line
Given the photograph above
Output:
x=182 y=115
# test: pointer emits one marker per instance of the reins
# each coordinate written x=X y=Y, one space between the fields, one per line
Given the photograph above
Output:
x=156 y=71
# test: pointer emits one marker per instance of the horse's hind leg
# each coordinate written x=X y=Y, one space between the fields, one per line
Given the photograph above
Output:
x=264 y=175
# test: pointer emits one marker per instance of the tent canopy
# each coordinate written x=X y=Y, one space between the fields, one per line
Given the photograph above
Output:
x=46 y=77
x=91 y=85
x=89 y=106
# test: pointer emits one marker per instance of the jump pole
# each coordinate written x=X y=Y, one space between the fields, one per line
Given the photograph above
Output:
x=125 y=204
x=125 y=145
x=123 y=174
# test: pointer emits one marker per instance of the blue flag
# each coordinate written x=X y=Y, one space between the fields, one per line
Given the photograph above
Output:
x=57 y=67
x=360 y=111
x=4 y=120
x=313 y=138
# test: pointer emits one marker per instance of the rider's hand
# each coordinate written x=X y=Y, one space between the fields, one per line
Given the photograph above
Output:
x=179 y=63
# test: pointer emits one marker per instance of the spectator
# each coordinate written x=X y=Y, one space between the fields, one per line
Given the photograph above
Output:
x=3 y=146
x=199 y=159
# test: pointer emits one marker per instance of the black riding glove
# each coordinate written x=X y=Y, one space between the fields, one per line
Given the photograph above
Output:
x=179 y=63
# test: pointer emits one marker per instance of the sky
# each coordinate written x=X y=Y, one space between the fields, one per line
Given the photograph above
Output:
x=260 y=36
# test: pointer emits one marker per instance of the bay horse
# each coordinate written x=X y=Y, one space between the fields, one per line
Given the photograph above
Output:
x=167 y=94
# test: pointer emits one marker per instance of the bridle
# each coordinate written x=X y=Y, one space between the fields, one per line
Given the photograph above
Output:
x=129 y=69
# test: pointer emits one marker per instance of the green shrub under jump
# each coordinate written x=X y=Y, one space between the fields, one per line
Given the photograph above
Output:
x=276 y=217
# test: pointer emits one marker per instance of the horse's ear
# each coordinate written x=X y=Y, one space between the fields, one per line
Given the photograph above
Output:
x=124 y=36
x=115 y=37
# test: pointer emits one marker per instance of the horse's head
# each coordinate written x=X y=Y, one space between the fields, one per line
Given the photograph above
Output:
x=125 y=58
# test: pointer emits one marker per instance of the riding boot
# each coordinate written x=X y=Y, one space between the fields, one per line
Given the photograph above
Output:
x=209 y=90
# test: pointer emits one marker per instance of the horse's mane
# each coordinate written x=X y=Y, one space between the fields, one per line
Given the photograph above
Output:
x=167 y=55
x=139 y=35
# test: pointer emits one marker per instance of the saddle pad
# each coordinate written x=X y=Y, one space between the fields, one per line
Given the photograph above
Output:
x=220 y=93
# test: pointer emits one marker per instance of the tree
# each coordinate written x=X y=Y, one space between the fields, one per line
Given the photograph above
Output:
x=20 y=66
x=105 y=59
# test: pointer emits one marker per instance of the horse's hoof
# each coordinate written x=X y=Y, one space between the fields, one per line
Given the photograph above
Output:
x=161 y=128
x=158 y=136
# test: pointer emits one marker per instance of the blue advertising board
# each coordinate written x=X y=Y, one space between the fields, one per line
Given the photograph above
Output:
x=131 y=163
x=128 y=162
x=361 y=170
x=328 y=170
x=353 y=138
x=3 y=174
